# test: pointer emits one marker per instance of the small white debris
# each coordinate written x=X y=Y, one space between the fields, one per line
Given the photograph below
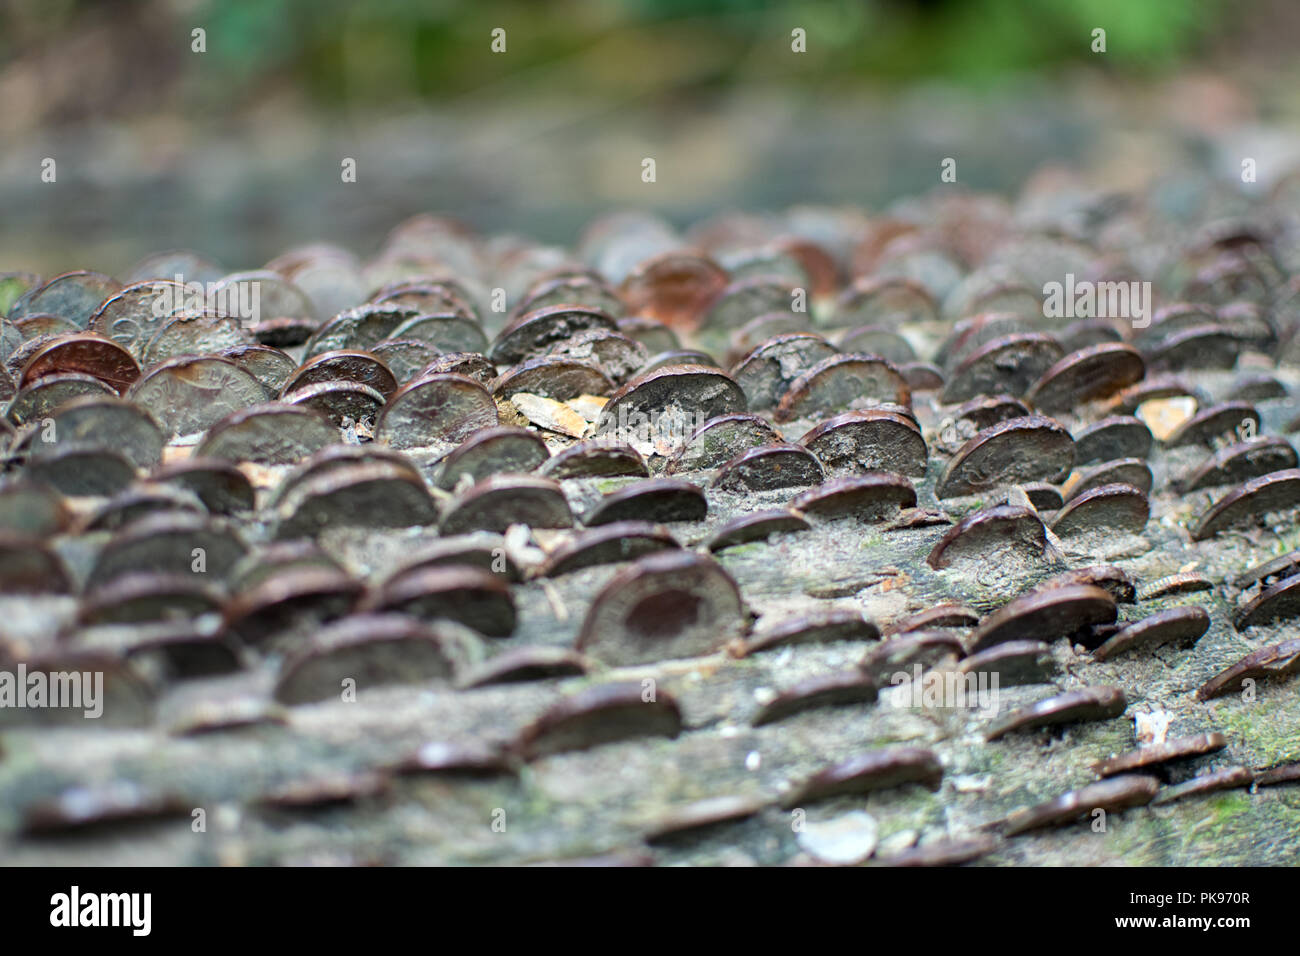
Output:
x=845 y=840
x=1151 y=728
x=753 y=760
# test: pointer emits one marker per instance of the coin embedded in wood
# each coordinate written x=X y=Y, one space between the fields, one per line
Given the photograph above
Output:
x=842 y=383
x=599 y=715
x=875 y=770
x=1118 y=793
x=191 y=394
x=607 y=544
x=1087 y=375
x=870 y=497
x=491 y=451
x=669 y=605
x=434 y=411
x=1033 y=448
x=1005 y=365
x=471 y=596
x=269 y=434
x=1107 y=510
x=1250 y=503
x=719 y=440
x=1047 y=614
x=870 y=440
x=841 y=689
x=756 y=526
x=1151 y=755
x=365 y=495
x=766 y=372
x=1091 y=703
x=1276 y=602
x=1241 y=462
x=496 y=503
x=769 y=467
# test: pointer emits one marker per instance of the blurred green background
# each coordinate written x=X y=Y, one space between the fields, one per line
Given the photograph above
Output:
x=236 y=150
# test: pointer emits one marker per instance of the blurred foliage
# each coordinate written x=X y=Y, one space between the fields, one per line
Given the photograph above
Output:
x=392 y=50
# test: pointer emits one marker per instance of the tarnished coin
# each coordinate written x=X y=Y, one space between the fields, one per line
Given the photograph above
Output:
x=1240 y=462
x=343 y=365
x=669 y=605
x=43 y=396
x=675 y=288
x=405 y=358
x=1203 y=347
x=1117 y=436
x=445 y=331
x=82 y=471
x=222 y=487
x=191 y=394
x=756 y=526
x=608 y=544
x=361 y=328
x=1276 y=602
x=376 y=494
x=100 y=422
x=553 y=377
x=1229 y=778
x=268 y=365
x=595 y=458
x=1046 y=615
x=842 y=383
x=1001 y=534
x=872 y=440
x=654 y=335
x=467 y=595
x=870 y=497
x=532 y=334
x=875 y=770
x=1270 y=572
x=818 y=627
x=1091 y=703
x=492 y=451
x=769 y=467
x=1176 y=625
x=257 y=295
x=169 y=543
x=1119 y=793
x=1250 y=503
x=572 y=289
x=73 y=295
x=654 y=499
x=435 y=411
x=1268 y=663
x=1109 y=578
x=928 y=649
x=889 y=300
x=1228 y=420
x=1005 y=365
x=526 y=664
x=28 y=566
x=613 y=353
x=1033 y=448
x=194 y=333
x=766 y=373
x=139 y=501
x=84 y=353
x=1106 y=510
x=1087 y=375
x=1013 y=662
x=878 y=340
x=495 y=503
x=941 y=615
x=1127 y=471
x=137 y=598
x=658 y=411
x=35 y=511
x=346 y=405
x=268 y=434
x=1156 y=754
x=721 y=439
x=841 y=689
x=600 y=715
x=287 y=610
